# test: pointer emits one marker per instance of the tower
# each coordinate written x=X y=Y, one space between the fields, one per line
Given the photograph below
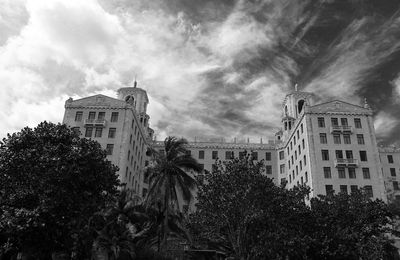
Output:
x=137 y=97
x=293 y=107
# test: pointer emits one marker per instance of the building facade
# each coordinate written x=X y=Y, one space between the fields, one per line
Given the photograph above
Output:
x=121 y=126
x=328 y=146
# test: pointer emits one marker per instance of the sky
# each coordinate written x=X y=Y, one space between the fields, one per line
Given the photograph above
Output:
x=212 y=68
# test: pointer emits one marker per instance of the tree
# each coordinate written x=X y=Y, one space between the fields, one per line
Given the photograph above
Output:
x=51 y=182
x=244 y=213
x=350 y=227
x=170 y=178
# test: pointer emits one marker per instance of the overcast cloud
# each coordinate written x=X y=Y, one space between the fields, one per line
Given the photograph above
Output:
x=211 y=68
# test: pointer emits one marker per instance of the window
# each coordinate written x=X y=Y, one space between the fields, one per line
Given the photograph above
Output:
x=301 y=128
x=201 y=166
x=254 y=156
x=98 y=132
x=306 y=177
x=92 y=115
x=301 y=166
x=360 y=139
x=327 y=172
x=339 y=154
x=78 y=116
x=395 y=185
x=88 y=132
x=303 y=144
x=329 y=189
x=111 y=133
x=390 y=158
x=353 y=188
x=334 y=121
x=301 y=180
x=101 y=115
x=242 y=155
x=295 y=155
x=343 y=189
x=322 y=138
x=268 y=169
x=188 y=152
x=366 y=173
x=346 y=139
x=281 y=155
x=341 y=173
x=229 y=155
x=201 y=154
x=129 y=154
x=268 y=156
x=109 y=149
x=321 y=122
x=368 y=191
x=344 y=121
x=282 y=169
x=294 y=140
x=298 y=134
x=363 y=156
x=304 y=160
x=352 y=173
x=357 y=122
x=393 y=172
x=214 y=154
x=336 y=139
x=114 y=117
x=325 y=155
x=297 y=170
x=76 y=130
x=130 y=139
x=349 y=154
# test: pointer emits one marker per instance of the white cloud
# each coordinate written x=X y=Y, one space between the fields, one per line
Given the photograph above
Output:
x=384 y=124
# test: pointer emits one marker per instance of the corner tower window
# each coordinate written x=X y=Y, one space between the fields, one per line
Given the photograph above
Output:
x=300 y=105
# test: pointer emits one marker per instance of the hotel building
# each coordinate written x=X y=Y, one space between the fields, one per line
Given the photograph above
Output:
x=329 y=146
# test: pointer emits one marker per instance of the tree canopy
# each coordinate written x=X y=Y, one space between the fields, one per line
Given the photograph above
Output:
x=242 y=212
x=51 y=182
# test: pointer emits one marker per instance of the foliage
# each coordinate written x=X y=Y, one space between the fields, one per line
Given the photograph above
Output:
x=51 y=182
x=170 y=179
x=242 y=212
x=349 y=227
x=120 y=226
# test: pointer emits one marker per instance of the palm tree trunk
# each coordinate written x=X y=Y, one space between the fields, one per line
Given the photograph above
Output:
x=166 y=213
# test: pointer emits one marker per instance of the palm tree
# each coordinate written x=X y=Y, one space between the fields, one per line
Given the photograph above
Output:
x=170 y=177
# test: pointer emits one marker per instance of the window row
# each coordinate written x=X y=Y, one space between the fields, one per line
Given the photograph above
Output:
x=353 y=188
x=100 y=116
x=335 y=122
x=339 y=155
x=301 y=181
x=341 y=173
x=337 y=138
x=98 y=132
x=231 y=155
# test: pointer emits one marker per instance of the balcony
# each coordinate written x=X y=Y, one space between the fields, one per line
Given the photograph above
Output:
x=95 y=122
x=346 y=162
x=341 y=129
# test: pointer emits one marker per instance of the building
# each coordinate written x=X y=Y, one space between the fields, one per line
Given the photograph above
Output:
x=121 y=126
x=329 y=146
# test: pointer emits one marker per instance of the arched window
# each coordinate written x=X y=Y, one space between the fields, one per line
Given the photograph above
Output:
x=300 y=105
x=286 y=110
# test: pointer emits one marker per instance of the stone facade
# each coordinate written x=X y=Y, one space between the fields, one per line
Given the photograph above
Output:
x=121 y=126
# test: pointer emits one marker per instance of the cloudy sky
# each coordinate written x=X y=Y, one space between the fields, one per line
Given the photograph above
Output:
x=212 y=68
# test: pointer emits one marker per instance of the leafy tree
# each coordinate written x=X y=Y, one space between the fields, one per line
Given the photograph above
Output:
x=120 y=226
x=350 y=227
x=244 y=213
x=51 y=183
x=169 y=178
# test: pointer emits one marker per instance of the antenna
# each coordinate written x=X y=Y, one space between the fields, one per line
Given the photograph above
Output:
x=135 y=83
